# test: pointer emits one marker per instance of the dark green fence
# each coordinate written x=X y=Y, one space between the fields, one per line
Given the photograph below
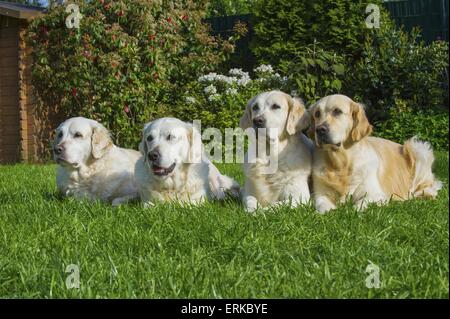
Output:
x=430 y=15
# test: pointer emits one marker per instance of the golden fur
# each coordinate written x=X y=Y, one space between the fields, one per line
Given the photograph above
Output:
x=369 y=169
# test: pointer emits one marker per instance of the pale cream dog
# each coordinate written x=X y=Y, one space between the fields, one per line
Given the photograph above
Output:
x=289 y=183
x=90 y=166
x=174 y=168
x=349 y=162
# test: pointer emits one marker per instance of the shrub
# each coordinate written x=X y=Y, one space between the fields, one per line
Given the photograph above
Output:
x=314 y=72
x=283 y=27
x=126 y=63
x=397 y=68
x=428 y=126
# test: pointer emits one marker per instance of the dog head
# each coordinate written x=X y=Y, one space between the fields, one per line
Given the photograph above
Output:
x=275 y=110
x=336 y=120
x=167 y=143
x=78 y=140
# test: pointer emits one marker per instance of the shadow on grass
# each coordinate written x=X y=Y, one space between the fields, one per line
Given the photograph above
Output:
x=54 y=196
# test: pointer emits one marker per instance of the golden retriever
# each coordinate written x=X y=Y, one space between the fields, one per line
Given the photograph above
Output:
x=174 y=167
x=289 y=183
x=89 y=164
x=348 y=162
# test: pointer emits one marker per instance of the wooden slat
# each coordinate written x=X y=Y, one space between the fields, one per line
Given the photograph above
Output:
x=11 y=130
x=10 y=111
x=8 y=91
x=8 y=32
x=9 y=42
x=9 y=52
x=9 y=61
x=9 y=101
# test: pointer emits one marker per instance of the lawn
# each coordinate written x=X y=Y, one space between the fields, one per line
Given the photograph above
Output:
x=216 y=250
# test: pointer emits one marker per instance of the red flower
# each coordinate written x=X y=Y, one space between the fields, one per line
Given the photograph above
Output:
x=43 y=30
x=151 y=37
x=74 y=92
x=169 y=19
x=126 y=109
x=120 y=13
x=185 y=17
x=155 y=76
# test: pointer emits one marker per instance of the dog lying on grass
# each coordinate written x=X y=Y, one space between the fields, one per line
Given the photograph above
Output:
x=289 y=182
x=349 y=162
x=174 y=168
x=90 y=166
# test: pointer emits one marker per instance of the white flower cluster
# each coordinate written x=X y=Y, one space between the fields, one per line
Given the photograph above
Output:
x=213 y=97
x=237 y=76
x=210 y=89
x=231 y=91
x=214 y=77
x=190 y=100
x=264 y=68
x=214 y=85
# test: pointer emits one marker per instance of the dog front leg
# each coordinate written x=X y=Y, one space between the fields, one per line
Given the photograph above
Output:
x=250 y=203
x=124 y=199
x=297 y=193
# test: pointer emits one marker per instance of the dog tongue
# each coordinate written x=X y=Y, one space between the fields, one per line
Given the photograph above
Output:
x=158 y=169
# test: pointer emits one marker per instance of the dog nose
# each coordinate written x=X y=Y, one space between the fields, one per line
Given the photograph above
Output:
x=153 y=156
x=322 y=129
x=259 y=122
x=58 y=150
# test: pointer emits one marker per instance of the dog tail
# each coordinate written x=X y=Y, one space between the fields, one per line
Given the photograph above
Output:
x=420 y=155
x=221 y=185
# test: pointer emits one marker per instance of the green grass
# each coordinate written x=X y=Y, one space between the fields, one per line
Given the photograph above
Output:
x=216 y=250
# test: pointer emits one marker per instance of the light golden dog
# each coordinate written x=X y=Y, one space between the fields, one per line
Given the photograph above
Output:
x=175 y=168
x=349 y=162
x=288 y=184
x=90 y=166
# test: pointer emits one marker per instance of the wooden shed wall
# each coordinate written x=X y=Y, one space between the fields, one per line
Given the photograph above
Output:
x=24 y=136
x=10 y=138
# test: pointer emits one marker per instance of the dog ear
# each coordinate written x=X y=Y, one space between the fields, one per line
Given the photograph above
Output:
x=143 y=144
x=195 y=144
x=361 y=126
x=246 y=119
x=298 y=118
x=55 y=135
x=101 y=141
x=312 y=123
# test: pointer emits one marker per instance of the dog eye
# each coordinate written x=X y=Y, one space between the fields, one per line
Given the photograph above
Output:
x=255 y=107
x=60 y=134
x=170 y=137
x=77 y=135
x=337 y=112
x=317 y=113
x=149 y=138
x=276 y=107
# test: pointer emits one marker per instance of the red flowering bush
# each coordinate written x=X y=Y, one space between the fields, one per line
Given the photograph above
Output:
x=126 y=64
